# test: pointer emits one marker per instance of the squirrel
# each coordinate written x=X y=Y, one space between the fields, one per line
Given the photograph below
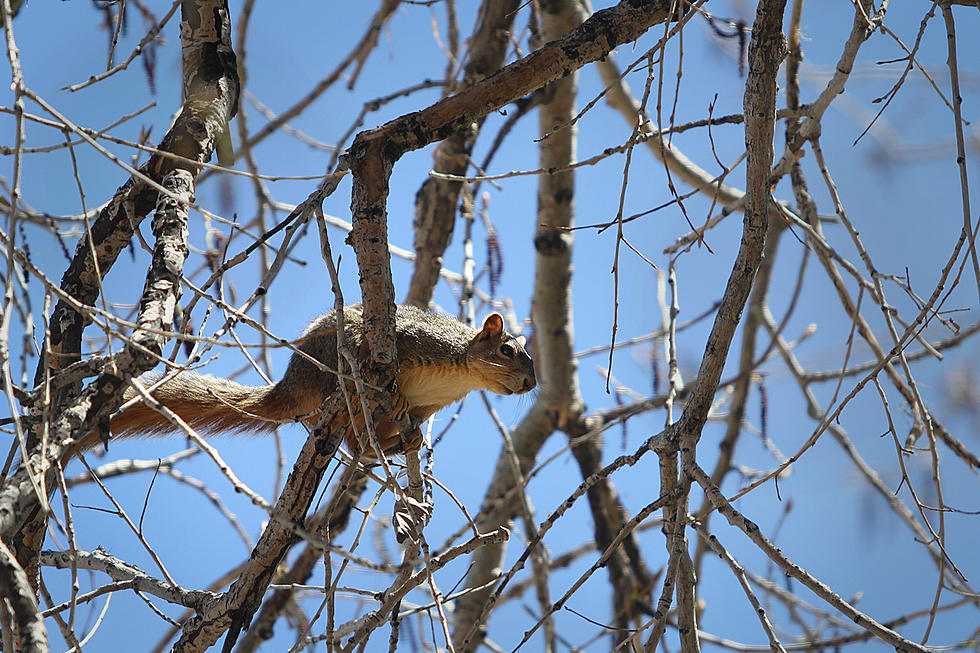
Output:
x=440 y=360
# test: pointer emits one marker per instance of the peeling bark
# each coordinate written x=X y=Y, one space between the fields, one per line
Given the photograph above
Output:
x=210 y=101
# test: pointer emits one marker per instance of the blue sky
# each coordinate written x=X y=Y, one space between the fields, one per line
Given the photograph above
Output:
x=899 y=184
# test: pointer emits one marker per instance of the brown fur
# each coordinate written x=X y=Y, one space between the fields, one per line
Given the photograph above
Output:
x=440 y=361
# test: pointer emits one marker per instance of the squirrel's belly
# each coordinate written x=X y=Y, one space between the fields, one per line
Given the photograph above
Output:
x=437 y=384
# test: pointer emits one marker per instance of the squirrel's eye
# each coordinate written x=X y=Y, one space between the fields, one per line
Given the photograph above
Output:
x=506 y=350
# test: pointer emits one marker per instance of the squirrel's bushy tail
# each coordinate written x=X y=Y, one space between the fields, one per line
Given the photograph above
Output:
x=208 y=405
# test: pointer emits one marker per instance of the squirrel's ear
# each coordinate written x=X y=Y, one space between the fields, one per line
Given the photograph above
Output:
x=521 y=340
x=493 y=326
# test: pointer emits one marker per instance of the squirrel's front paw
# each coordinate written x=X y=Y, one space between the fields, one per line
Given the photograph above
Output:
x=399 y=406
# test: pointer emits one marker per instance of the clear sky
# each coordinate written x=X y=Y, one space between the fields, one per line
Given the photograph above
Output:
x=899 y=184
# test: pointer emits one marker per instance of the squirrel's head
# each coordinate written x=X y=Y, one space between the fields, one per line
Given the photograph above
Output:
x=509 y=370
